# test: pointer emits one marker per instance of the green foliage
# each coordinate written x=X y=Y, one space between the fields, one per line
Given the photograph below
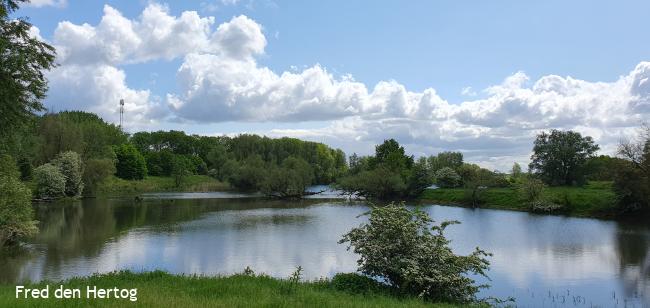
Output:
x=70 y=165
x=50 y=182
x=356 y=284
x=289 y=180
x=95 y=172
x=181 y=167
x=531 y=189
x=453 y=160
x=16 y=214
x=81 y=132
x=390 y=174
x=559 y=157
x=160 y=289
x=516 y=171
x=476 y=182
x=23 y=62
x=129 y=164
x=447 y=178
x=249 y=175
x=400 y=247
x=632 y=179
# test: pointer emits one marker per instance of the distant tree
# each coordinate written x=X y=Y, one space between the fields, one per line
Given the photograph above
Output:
x=447 y=178
x=23 y=61
x=632 y=179
x=288 y=181
x=379 y=183
x=453 y=160
x=129 y=164
x=181 y=167
x=95 y=172
x=516 y=171
x=476 y=183
x=603 y=167
x=249 y=174
x=16 y=213
x=70 y=165
x=419 y=179
x=217 y=158
x=50 y=182
x=559 y=157
x=401 y=248
x=392 y=156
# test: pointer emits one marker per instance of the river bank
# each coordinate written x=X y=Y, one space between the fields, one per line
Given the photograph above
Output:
x=114 y=186
x=160 y=289
x=595 y=199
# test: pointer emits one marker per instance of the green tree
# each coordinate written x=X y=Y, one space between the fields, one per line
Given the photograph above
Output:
x=288 y=181
x=129 y=164
x=95 y=172
x=516 y=171
x=181 y=167
x=70 y=165
x=447 y=178
x=559 y=157
x=453 y=160
x=632 y=179
x=50 y=182
x=16 y=213
x=23 y=60
x=402 y=248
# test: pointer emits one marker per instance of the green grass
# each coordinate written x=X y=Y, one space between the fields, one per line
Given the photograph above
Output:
x=595 y=199
x=159 y=289
x=194 y=183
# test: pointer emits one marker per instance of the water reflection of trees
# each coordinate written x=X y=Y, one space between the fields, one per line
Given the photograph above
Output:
x=633 y=248
x=74 y=229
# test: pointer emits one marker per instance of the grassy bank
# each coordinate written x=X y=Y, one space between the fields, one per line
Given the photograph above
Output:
x=194 y=183
x=595 y=199
x=158 y=289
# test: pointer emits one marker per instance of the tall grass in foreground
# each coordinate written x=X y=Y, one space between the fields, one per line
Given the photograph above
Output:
x=160 y=289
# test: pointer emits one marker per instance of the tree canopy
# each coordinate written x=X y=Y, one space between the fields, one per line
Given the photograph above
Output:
x=23 y=61
x=559 y=157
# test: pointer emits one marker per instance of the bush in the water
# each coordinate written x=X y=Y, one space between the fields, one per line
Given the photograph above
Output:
x=402 y=248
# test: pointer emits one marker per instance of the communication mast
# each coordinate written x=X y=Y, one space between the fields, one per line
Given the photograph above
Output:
x=121 y=112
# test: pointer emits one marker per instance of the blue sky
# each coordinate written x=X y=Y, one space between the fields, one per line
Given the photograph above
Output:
x=457 y=48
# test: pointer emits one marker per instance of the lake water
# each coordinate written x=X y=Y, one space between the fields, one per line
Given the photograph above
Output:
x=542 y=261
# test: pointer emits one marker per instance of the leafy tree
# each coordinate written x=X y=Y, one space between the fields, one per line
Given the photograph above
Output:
x=559 y=157
x=379 y=183
x=288 y=181
x=419 y=179
x=632 y=180
x=23 y=60
x=603 y=167
x=403 y=249
x=50 y=182
x=516 y=171
x=453 y=160
x=129 y=164
x=476 y=183
x=16 y=213
x=447 y=178
x=95 y=172
x=391 y=155
x=249 y=175
x=70 y=165
x=181 y=167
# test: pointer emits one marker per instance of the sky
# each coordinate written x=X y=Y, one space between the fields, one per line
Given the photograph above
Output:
x=480 y=77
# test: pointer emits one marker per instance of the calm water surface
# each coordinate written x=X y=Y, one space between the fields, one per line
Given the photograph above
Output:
x=542 y=261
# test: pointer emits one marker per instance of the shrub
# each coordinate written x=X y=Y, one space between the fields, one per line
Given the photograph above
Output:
x=356 y=283
x=50 y=182
x=447 y=178
x=70 y=165
x=130 y=164
x=95 y=172
x=16 y=213
x=400 y=247
x=531 y=189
